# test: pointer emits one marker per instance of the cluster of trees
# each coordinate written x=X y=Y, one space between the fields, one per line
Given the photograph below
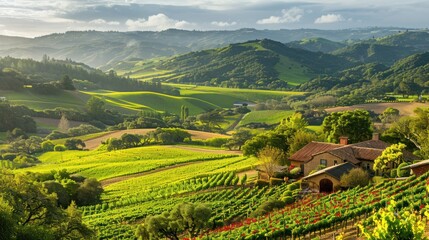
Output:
x=44 y=76
x=158 y=136
x=29 y=211
x=191 y=219
x=11 y=118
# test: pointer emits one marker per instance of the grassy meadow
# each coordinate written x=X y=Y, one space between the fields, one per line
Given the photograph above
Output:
x=265 y=116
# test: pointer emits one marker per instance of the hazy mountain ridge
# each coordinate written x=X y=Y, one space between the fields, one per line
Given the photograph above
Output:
x=99 y=48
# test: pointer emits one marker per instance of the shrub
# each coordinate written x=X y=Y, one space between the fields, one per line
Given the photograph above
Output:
x=393 y=173
x=216 y=142
x=402 y=173
x=295 y=172
x=293 y=186
x=287 y=199
x=356 y=177
x=267 y=207
x=60 y=148
x=47 y=146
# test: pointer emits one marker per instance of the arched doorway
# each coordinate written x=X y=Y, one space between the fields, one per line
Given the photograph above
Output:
x=326 y=186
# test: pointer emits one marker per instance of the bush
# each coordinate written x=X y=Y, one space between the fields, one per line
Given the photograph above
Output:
x=356 y=177
x=60 y=148
x=216 y=142
x=293 y=186
x=393 y=173
x=47 y=146
x=287 y=199
x=276 y=181
x=295 y=172
x=267 y=207
x=402 y=173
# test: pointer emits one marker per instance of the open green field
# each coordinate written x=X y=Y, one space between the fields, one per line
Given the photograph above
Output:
x=154 y=101
x=104 y=165
x=66 y=99
x=265 y=116
x=292 y=72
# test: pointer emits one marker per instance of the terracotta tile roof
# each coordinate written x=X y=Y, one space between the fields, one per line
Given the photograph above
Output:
x=335 y=171
x=354 y=153
x=378 y=144
x=306 y=153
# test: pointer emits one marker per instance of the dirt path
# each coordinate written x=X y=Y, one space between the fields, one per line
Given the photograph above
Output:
x=95 y=142
x=235 y=123
x=405 y=108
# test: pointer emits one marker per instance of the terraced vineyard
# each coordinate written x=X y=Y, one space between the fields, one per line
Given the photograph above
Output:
x=333 y=211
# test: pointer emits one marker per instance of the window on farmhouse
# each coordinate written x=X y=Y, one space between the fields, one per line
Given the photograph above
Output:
x=324 y=162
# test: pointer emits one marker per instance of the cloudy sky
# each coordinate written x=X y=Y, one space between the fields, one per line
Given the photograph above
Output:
x=39 y=17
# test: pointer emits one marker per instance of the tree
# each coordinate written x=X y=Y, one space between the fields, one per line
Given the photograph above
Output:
x=64 y=124
x=187 y=218
x=89 y=192
x=66 y=83
x=211 y=120
x=389 y=115
x=47 y=146
x=356 y=177
x=299 y=140
x=391 y=157
x=415 y=129
x=270 y=157
x=130 y=140
x=270 y=138
x=184 y=113
x=95 y=106
x=7 y=223
x=114 y=144
x=29 y=146
x=74 y=144
x=356 y=125
x=238 y=139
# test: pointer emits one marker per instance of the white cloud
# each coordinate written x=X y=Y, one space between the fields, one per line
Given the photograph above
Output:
x=288 y=16
x=157 y=22
x=329 y=18
x=223 y=24
x=103 y=22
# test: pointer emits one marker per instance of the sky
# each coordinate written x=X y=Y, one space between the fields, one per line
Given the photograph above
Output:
x=31 y=18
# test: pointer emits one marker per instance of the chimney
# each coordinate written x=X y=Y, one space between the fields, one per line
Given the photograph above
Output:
x=344 y=140
x=376 y=136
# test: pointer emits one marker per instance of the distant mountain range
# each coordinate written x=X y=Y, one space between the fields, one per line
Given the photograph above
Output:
x=98 y=49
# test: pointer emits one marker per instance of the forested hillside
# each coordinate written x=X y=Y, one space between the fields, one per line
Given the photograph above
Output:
x=46 y=74
x=262 y=64
x=100 y=48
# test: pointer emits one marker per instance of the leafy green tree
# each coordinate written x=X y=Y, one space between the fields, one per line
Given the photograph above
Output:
x=89 y=192
x=74 y=144
x=188 y=218
x=270 y=138
x=7 y=224
x=415 y=129
x=47 y=146
x=184 y=113
x=59 y=148
x=270 y=158
x=130 y=140
x=356 y=177
x=95 y=106
x=67 y=83
x=391 y=157
x=389 y=115
x=29 y=146
x=211 y=120
x=238 y=139
x=114 y=144
x=299 y=140
x=356 y=125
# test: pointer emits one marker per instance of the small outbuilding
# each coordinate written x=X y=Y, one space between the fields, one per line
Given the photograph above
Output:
x=419 y=168
x=327 y=180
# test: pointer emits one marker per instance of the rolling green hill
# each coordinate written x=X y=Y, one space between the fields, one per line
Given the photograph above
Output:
x=255 y=64
x=386 y=50
x=99 y=49
x=316 y=45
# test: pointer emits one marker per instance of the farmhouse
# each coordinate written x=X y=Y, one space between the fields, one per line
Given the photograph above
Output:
x=362 y=154
x=328 y=179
